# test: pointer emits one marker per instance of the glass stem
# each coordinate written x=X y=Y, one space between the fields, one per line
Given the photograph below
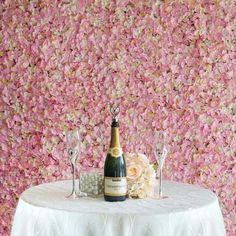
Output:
x=73 y=172
x=160 y=183
x=79 y=179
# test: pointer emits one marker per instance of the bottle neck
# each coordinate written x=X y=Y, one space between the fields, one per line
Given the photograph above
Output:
x=115 y=137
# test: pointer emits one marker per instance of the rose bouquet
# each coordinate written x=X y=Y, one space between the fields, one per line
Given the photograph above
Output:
x=141 y=176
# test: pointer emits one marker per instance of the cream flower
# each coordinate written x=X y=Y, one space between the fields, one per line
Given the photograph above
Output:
x=134 y=172
x=140 y=176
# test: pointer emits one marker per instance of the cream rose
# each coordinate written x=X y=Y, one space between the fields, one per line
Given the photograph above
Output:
x=133 y=172
x=140 y=176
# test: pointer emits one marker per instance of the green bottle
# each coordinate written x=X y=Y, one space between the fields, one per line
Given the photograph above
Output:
x=115 y=181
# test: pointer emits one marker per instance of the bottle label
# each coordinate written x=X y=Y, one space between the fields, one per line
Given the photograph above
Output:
x=115 y=186
x=115 y=152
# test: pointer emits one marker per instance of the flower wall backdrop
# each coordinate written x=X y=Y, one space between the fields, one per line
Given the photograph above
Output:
x=170 y=67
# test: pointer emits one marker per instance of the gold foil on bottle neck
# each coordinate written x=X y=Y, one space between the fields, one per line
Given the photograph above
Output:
x=115 y=138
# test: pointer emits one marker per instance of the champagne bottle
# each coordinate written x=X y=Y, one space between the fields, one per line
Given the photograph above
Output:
x=115 y=168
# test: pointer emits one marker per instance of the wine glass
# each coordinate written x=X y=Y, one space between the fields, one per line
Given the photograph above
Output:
x=73 y=150
x=160 y=154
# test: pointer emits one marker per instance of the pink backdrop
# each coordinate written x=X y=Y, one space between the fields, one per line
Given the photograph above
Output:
x=170 y=67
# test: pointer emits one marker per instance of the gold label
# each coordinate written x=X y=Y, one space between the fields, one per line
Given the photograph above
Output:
x=115 y=186
x=115 y=151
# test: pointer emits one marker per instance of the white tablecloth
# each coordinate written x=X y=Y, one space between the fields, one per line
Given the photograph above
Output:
x=189 y=211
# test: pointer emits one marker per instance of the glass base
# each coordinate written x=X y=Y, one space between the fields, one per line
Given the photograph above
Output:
x=160 y=197
x=79 y=194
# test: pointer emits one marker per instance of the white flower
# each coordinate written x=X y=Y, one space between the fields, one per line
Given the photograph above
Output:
x=140 y=176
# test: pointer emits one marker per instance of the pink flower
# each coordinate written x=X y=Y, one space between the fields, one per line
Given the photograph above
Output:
x=170 y=66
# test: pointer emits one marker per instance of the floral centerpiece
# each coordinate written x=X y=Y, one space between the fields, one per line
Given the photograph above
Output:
x=141 y=176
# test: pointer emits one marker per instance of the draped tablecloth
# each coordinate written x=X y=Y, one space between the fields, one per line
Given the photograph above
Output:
x=189 y=210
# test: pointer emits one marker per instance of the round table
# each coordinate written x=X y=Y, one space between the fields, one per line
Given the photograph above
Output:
x=189 y=210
